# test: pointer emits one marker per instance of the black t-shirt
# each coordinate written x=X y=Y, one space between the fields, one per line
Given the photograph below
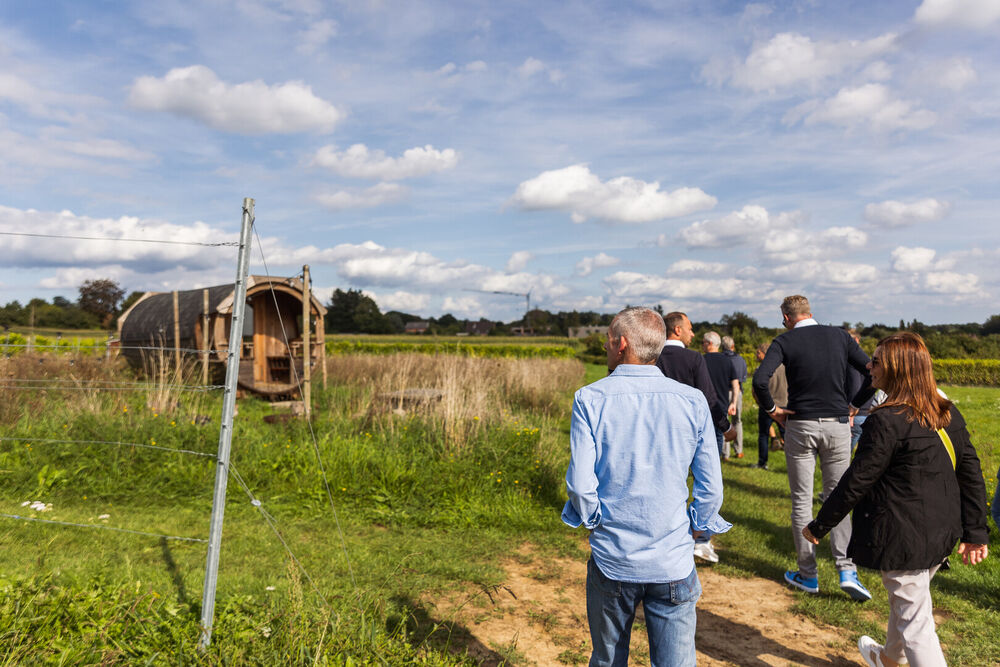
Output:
x=722 y=373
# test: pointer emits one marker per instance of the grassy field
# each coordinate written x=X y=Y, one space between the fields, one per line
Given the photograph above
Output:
x=428 y=499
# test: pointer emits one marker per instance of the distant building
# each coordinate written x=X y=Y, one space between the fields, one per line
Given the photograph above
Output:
x=418 y=327
x=480 y=328
x=583 y=332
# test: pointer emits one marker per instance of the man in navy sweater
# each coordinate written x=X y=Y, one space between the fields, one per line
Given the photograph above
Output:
x=816 y=359
x=688 y=367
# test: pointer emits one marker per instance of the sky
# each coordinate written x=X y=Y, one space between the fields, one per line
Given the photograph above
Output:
x=710 y=157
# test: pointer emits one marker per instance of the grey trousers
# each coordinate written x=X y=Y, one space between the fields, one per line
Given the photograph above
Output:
x=737 y=421
x=805 y=439
x=911 y=635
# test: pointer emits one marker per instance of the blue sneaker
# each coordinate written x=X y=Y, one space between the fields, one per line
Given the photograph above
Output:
x=850 y=584
x=807 y=584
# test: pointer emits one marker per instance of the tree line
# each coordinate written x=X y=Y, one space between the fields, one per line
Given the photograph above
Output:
x=102 y=300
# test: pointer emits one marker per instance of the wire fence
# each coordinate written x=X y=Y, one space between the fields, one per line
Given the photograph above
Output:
x=44 y=385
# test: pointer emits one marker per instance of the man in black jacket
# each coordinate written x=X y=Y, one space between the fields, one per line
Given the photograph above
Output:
x=688 y=367
x=816 y=359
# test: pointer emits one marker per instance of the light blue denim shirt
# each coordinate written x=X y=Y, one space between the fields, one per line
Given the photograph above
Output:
x=633 y=437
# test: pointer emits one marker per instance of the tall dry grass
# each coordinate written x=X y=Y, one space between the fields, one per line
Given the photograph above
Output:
x=28 y=382
x=460 y=394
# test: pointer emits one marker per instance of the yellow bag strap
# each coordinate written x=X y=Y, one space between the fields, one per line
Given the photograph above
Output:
x=947 y=445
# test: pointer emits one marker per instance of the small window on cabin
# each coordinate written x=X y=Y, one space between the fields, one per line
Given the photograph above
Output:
x=248 y=323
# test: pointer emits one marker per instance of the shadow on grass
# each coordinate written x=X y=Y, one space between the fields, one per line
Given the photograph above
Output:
x=174 y=572
x=728 y=641
x=984 y=594
x=442 y=635
x=756 y=490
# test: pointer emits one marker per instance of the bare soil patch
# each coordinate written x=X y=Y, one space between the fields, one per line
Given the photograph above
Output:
x=538 y=616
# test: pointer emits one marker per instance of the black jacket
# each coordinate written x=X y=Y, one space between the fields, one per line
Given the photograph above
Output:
x=688 y=367
x=910 y=506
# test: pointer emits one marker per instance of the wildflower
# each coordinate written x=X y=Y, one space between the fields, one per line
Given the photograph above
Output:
x=266 y=631
x=269 y=588
x=476 y=418
x=104 y=517
x=155 y=414
x=173 y=423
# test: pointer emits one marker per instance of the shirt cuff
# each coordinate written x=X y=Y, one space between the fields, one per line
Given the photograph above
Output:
x=713 y=525
x=572 y=518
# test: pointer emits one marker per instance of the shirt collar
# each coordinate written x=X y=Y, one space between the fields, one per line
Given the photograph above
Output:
x=637 y=369
x=808 y=322
x=675 y=343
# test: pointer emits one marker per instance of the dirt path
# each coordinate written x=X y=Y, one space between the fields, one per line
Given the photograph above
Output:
x=538 y=616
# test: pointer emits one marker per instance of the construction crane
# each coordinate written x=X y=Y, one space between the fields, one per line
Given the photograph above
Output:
x=526 y=295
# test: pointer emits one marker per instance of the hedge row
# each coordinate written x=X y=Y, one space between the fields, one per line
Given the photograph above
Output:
x=508 y=351
x=15 y=343
x=977 y=372
x=982 y=372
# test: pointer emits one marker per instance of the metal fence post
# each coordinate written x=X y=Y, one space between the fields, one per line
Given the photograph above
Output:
x=226 y=428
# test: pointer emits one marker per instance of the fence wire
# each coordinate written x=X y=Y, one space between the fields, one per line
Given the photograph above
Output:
x=312 y=433
x=128 y=240
x=141 y=445
x=102 y=527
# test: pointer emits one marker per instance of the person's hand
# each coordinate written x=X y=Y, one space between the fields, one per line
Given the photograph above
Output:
x=972 y=554
x=697 y=533
x=851 y=411
x=730 y=434
x=780 y=415
x=850 y=420
x=806 y=533
x=732 y=410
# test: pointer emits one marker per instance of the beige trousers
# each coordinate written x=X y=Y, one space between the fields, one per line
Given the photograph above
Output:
x=911 y=636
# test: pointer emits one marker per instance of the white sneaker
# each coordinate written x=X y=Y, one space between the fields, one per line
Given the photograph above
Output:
x=871 y=651
x=705 y=551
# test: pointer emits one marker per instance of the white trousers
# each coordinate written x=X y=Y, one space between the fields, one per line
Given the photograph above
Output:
x=911 y=636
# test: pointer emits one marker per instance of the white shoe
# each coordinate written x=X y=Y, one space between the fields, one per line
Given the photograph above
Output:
x=705 y=551
x=871 y=651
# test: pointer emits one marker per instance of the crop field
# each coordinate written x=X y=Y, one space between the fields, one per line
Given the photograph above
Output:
x=343 y=534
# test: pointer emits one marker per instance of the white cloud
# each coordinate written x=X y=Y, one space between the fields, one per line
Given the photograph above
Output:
x=870 y=104
x=246 y=108
x=739 y=227
x=949 y=282
x=406 y=302
x=26 y=251
x=466 y=306
x=953 y=74
x=360 y=162
x=899 y=214
x=623 y=200
x=827 y=273
x=977 y=14
x=476 y=66
x=316 y=36
x=532 y=66
x=631 y=285
x=790 y=59
x=699 y=267
x=519 y=260
x=912 y=260
x=601 y=260
x=376 y=195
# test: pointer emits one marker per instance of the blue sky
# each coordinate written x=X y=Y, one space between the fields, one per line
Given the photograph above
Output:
x=709 y=157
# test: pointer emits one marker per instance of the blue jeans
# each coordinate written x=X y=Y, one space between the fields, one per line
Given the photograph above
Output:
x=720 y=441
x=856 y=430
x=670 y=618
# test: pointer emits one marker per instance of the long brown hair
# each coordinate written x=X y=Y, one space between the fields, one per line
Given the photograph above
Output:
x=909 y=380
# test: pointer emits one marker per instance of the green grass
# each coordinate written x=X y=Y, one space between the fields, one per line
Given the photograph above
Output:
x=418 y=518
x=760 y=545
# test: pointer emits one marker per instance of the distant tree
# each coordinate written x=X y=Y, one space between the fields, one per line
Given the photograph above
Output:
x=131 y=299
x=991 y=325
x=61 y=302
x=353 y=312
x=739 y=320
x=101 y=298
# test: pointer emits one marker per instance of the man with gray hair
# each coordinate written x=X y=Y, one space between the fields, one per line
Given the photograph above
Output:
x=740 y=366
x=816 y=358
x=723 y=376
x=634 y=436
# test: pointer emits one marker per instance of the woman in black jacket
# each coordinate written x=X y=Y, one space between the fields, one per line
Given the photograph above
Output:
x=916 y=489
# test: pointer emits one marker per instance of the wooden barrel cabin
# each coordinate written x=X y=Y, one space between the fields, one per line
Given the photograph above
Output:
x=273 y=316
